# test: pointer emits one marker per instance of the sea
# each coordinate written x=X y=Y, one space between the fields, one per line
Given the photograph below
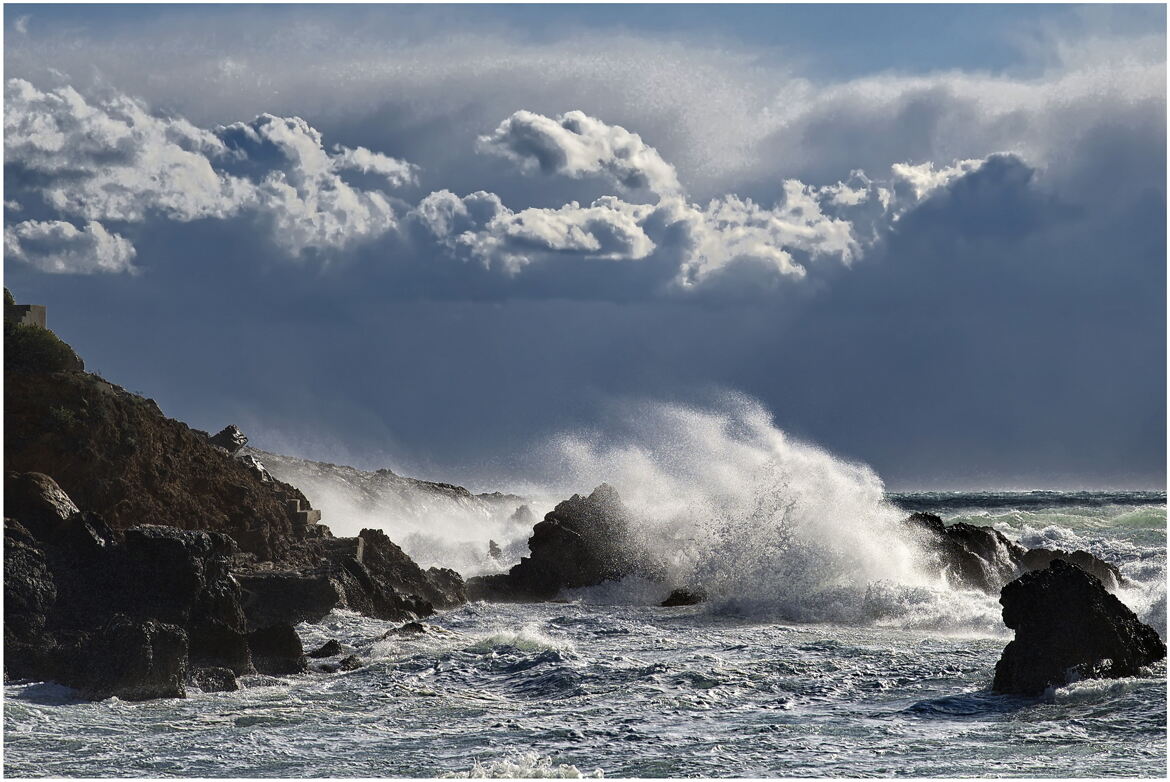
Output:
x=892 y=681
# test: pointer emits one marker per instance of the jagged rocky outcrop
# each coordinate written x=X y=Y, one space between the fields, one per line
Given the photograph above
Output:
x=189 y=562
x=983 y=558
x=116 y=454
x=113 y=612
x=1068 y=627
x=583 y=541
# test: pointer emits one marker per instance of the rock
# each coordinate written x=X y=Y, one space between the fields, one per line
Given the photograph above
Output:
x=582 y=542
x=684 y=597
x=288 y=597
x=1040 y=558
x=971 y=556
x=129 y=659
x=330 y=648
x=982 y=558
x=230 y=438
x=213 y=679
x=37 y=501
x=350 y=663
x=29 y=596
x=390 y=565
x=410 y=628
x=116 y=455
x=255 y=465
x=88 y=608
x=277 y=650
x=494 y=551
x=1067 y=626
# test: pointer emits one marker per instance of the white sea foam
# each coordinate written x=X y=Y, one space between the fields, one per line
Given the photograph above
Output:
x=765 y=522
x=528 y=765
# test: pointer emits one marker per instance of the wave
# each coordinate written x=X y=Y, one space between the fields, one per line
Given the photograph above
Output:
x=767 y=524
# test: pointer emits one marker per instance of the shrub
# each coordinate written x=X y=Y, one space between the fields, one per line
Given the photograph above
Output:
x=34 y=349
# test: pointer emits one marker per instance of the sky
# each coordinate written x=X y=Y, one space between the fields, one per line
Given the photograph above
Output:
x=931 y=239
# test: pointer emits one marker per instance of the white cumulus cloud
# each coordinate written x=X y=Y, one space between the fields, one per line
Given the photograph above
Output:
x=575 y=144
x=59 y=247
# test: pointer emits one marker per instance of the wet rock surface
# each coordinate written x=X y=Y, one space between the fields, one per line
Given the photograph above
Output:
x=982 y=558
x=1068 y=627
x=582 y=542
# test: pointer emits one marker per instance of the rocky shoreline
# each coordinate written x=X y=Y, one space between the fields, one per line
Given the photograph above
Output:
x=142 y=556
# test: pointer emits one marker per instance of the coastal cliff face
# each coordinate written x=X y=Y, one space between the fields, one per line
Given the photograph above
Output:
x=142 y=555
x=116 y=454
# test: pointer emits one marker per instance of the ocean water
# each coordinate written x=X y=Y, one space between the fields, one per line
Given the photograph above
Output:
x=879 y=676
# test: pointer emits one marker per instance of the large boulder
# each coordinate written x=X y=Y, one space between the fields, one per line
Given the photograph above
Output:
x=277 y=650
x=393 y=568
x=29 y=596
x=129 y=659
x=582 y=542
x=1067 y=627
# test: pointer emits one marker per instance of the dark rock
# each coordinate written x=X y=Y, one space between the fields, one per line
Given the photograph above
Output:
x=350 y=663
x=115 y=454
x=582 y=542
x=410 y=628
x=37 y=501
x=277 y=650
x=371 y=596
x=129 y=659
x=330 y=648
x=213 y=679
x=288 y=597
x=971 y=556
x=29 y=596
x=80 y=593
x=494 y=550
x=1040 y=558
x=390 y=565
x=684 y=597
x=230 y=438
x=982 y=558
x=1067 y=626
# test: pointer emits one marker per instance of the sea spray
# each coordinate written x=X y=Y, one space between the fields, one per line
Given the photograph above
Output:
x=767 y=524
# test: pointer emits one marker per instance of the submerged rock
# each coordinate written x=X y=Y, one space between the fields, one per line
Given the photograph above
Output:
x=1067 y=627
x=330 y=648
x=582 y=542
x=213 y=679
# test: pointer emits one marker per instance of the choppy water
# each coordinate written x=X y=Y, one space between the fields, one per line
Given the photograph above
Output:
x=629 y=689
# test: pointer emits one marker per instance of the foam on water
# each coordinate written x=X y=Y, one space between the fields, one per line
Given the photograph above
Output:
x=528 y=765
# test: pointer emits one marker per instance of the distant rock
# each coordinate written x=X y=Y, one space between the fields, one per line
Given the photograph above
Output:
x=330 y=648
x=1068 y=627
x=1040 y=558
x=684 y=597
x=582 y=542
x=982 y=558
x=230 y=438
